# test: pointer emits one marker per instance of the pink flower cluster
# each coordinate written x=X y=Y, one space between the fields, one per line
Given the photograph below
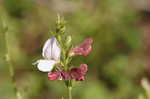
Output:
x=76 y=73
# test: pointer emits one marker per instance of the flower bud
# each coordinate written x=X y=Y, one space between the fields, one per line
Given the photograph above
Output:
x=68 y=40
x=54 y=76
x=58 y=19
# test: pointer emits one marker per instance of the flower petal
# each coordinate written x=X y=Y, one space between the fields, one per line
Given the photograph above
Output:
x=83 y=49
x=51 y=49
x=45 y=65
x=84 y=68
x=56 y=51
x=78 y=73
x=54 y=76
x=47 y=48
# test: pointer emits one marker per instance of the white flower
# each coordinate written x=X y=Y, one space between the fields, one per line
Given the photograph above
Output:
x=51 y=53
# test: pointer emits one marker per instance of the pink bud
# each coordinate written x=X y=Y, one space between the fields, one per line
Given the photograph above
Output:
x=54 y=76
x=83 y=49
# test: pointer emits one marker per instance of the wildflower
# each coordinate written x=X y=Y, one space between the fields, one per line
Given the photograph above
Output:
x=78 y=73
x=83 y=49
x=54 y=76
x=51 y=53
x=62 y=69
x=60 y=74
x=65 y=75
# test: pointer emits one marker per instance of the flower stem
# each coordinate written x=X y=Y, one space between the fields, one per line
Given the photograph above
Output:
x=11 y=68
x=12 y=76
x=69 y=92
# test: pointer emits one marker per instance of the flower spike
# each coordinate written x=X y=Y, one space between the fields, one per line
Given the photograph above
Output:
x=57 y=55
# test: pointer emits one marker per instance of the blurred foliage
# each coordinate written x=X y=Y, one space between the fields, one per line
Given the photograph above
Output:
x=115 y=64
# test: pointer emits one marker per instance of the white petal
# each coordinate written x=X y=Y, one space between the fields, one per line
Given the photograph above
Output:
x=56 y=51
x=45 y=65
x=51 y=49
x=47 y=49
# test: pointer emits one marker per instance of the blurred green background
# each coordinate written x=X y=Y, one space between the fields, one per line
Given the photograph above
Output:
x=116 y=64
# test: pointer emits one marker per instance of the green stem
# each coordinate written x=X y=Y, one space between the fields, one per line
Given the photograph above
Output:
x=69 y=92
x=11 y=68
x=12 y=76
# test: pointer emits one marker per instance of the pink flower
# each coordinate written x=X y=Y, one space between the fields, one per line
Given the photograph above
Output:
x=84 y=68
x=83 y=49
x=65 y=75
x=54 y=76
x=78 y=73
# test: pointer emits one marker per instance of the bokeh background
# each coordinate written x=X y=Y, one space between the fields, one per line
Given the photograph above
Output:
x=119 y=60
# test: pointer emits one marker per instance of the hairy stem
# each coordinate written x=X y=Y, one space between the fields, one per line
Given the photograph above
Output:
x=11 y=68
